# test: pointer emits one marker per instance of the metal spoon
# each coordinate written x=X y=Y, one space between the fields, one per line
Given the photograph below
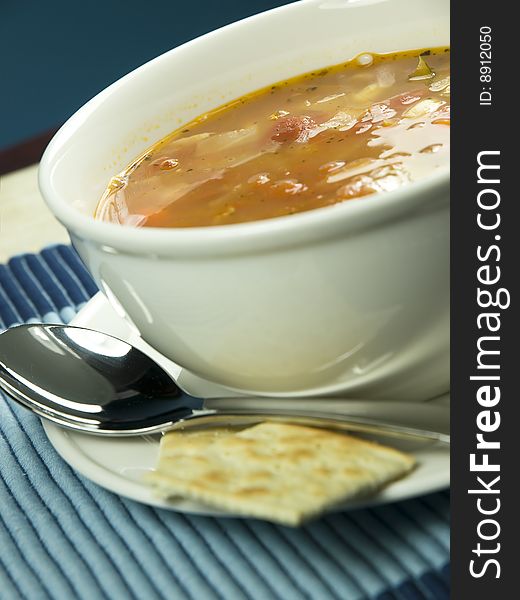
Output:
x=92 y=382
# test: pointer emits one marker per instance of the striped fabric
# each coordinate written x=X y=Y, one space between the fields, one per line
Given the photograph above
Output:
x=63 y=537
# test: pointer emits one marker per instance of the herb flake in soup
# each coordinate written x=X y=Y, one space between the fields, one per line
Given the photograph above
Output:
x=330 y=136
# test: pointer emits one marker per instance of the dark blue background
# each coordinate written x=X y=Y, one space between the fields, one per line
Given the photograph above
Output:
x=56 y=54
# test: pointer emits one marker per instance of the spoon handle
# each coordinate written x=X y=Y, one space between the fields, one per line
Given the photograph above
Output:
x=237 y=417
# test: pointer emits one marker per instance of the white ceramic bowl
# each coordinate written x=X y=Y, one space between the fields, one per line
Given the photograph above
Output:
x=351 y=299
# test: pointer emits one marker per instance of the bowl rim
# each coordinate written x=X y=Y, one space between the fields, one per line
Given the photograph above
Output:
x=345 y=218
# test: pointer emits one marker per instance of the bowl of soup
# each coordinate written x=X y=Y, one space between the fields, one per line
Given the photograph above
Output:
x=268 y=205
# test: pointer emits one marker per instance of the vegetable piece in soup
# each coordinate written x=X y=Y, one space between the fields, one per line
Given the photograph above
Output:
x=370 y=125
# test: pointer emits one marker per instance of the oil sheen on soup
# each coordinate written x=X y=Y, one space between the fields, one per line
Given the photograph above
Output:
x=323 y=138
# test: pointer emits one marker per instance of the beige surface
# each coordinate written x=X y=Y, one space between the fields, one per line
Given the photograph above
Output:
x=26 y=225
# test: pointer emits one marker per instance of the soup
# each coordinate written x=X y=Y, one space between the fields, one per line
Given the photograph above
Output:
x=371 y=125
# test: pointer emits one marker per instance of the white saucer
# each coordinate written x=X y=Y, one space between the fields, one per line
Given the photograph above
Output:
x=118 y=464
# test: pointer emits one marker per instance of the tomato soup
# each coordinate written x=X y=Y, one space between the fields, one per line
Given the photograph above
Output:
x=334 y=135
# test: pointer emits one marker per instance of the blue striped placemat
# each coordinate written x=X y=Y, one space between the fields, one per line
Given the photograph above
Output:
x=63 y=537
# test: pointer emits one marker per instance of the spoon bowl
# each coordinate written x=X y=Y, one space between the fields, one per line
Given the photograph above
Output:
x=89 y=381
